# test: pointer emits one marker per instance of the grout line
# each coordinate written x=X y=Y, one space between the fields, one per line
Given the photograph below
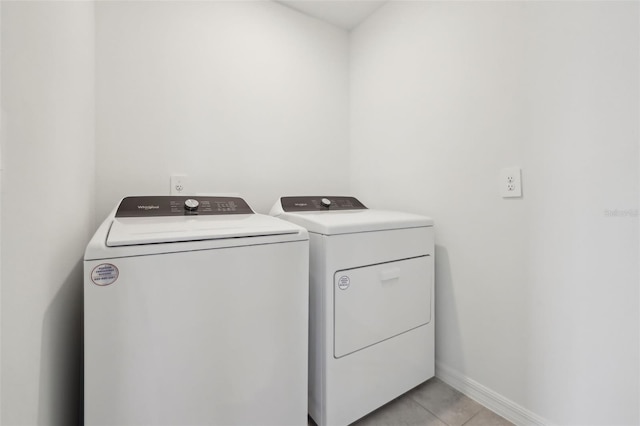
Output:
x=472 y=417
x=429 y=411
x=482 y=406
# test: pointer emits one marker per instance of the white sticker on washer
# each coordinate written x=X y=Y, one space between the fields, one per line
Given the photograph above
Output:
x=104 y=274
x=344 y=282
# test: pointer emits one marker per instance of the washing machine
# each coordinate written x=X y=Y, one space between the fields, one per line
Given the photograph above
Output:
x=195 y=312
x=371 y=329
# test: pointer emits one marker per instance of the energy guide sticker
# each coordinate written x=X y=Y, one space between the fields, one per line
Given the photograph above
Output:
x=104 y=274
x=344 y=282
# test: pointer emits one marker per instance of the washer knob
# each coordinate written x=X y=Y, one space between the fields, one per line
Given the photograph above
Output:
x=325 y=202
x=191 y=205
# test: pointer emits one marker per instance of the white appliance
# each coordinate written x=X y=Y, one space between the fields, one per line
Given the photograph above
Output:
x=195 y=312
x=371 y=335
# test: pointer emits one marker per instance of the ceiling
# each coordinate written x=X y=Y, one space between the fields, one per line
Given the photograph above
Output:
x=346 y=14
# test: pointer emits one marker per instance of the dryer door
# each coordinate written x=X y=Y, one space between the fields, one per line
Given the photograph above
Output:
x=377 y=302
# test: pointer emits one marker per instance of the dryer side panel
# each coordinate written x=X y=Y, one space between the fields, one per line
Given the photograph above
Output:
x=317 y=327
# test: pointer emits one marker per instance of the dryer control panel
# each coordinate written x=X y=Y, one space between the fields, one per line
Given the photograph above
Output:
x=151 y=206
x=320 y=203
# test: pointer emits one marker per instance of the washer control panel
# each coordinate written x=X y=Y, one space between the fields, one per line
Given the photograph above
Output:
x=320 y=203
x=150 y=206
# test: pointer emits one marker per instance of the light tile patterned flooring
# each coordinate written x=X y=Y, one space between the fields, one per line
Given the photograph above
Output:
x=433 y=403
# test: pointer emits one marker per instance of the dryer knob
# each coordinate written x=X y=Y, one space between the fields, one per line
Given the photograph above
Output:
x=325 y=202
x=191 y=205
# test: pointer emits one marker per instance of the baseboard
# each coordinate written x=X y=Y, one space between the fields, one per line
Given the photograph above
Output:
x=490 y=399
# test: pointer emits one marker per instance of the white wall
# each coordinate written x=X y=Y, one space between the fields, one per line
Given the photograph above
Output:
x=537 y=298
x=248 y=97
x=2 y=138
x=47 y=205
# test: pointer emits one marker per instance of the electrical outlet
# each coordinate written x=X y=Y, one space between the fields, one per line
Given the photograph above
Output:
x=179 y=184
x=510 y=182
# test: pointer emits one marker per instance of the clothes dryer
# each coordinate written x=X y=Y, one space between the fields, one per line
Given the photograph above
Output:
x=371 y=304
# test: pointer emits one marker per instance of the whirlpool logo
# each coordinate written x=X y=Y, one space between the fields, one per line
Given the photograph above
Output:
x=152 y=207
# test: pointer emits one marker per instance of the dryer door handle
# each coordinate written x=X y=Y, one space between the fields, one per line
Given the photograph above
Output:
x=389 y=274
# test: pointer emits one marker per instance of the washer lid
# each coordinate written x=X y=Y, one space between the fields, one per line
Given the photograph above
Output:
x=128 y=231
x=351 y=221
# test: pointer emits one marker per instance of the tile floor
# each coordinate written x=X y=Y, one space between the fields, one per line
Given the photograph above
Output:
x=433 y=403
